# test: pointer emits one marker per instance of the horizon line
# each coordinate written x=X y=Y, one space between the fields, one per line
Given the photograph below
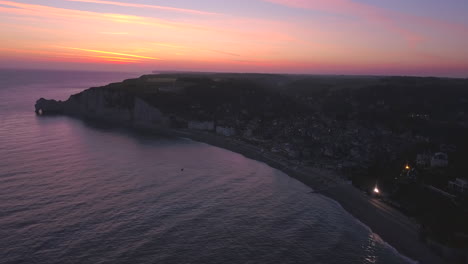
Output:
x=155 y=72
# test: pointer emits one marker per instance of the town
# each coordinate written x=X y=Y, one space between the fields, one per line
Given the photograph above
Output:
x=401 y=140
x=402 y=137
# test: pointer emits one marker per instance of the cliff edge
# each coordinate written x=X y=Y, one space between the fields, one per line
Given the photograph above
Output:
x=106 y=104
x=296 y=123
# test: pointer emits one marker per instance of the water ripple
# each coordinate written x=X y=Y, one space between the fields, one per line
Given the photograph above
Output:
x=71 y=193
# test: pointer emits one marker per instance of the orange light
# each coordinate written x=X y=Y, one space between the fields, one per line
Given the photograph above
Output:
x=407 y=167
x=113 y=53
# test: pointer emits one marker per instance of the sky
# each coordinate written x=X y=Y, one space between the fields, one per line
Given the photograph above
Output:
x=362 y=37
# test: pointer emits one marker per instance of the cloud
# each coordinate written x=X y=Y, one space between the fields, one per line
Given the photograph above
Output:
x=31 y=10
x=112 y=53
x=87 y=30
x=351 y=8
x=33 y=54
x=166 y=8
x=221 y=27
x=38 y=31
x=115 y=33
x=225 y=53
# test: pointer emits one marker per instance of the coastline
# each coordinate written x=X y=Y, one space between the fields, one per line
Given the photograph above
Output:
x=388 y=223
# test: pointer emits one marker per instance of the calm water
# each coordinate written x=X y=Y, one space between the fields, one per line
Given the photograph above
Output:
x=72 y=192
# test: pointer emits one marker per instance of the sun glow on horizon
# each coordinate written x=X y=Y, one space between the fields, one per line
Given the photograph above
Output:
x=338 y=37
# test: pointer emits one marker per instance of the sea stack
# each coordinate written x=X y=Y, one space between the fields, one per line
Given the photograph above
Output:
x=48 y=107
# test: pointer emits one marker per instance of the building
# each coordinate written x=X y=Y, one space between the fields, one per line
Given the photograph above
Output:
x=423 y=160
x=458 y=185
x=439 y=160
x=225 y=131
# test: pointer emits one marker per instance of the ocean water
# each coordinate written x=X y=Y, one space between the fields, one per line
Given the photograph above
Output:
x=77 y=192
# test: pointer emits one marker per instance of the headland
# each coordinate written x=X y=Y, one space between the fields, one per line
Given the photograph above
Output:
x=321 y=130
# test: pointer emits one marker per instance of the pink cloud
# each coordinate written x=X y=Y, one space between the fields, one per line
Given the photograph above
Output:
x=348 y=7
x=174 y=9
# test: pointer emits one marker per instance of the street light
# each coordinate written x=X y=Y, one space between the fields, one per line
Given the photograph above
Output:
x=407 y=167
x=376 y=190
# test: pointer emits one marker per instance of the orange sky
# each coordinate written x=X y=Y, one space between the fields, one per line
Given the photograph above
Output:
x=294 y=36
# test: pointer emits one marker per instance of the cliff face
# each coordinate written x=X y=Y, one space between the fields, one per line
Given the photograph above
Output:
x=147 y=116
x=106 y=104
x=332 y=121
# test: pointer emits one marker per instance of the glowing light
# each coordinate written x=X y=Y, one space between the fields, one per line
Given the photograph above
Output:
x=119 y=58
x=376 y=190
x=407 y=167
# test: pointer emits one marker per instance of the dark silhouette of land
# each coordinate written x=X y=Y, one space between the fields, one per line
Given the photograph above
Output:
x=327 y=131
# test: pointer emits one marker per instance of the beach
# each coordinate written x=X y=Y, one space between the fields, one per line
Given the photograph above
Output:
x=86 y=192
x=388 y=223
x=391 y=225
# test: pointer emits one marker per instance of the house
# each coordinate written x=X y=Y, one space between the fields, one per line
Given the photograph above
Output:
x=458 y=185
x=439 y=159
x=423 y=160
x=448 y=148
x=248 y=133
x=225 y=131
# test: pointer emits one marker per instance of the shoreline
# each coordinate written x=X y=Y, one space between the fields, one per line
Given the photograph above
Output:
x=390 y=225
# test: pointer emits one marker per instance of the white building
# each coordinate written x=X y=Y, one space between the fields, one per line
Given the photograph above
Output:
x=458 y=185
x=423 y=160
x=439 y=160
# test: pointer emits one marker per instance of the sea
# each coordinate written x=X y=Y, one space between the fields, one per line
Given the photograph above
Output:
x=80 y=192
